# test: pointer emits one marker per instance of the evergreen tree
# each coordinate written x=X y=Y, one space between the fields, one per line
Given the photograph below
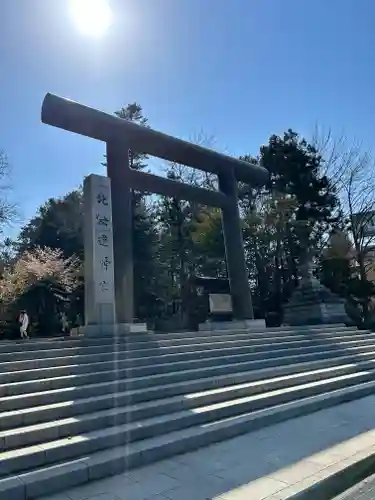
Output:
x=208 y=239
x=295 y=168
x=287 y=219
x=57 y=225
x=175 y=245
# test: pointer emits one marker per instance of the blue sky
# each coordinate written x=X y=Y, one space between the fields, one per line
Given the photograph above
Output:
x=238 y=70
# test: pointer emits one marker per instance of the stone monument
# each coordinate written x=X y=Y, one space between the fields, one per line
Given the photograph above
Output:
x=100 y=303
x=313 y=303
x=216 y=292
x=98 y=244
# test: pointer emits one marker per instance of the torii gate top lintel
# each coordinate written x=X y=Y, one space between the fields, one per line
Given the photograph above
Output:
x=78 y=118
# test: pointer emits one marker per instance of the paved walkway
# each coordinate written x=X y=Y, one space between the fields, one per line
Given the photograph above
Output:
x=272 y=463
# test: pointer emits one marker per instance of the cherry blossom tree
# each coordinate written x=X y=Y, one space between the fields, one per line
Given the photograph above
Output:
x=40 y=281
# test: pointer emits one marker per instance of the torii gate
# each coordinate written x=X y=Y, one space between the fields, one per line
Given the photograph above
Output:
x=121 y=136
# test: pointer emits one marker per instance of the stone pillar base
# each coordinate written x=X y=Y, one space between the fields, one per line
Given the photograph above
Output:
x=255 y=325
x=316 y=314
x=93 y=331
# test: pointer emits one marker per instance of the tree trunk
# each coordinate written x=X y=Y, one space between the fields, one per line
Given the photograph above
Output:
x=278 y=268
x=363 y=278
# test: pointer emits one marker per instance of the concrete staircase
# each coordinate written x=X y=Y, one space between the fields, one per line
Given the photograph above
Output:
x=74 y=410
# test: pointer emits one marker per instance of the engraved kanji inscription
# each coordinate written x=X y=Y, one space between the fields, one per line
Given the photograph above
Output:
x=105 y=263
x=101 y=198
x=104 y=287
x=102 y=220
x=102 y=240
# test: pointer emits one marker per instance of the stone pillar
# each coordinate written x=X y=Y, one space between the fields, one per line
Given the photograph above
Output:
x=234 y=250
x=99 y=262
x=118 y=171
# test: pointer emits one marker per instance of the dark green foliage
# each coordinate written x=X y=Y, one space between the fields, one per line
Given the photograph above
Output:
x=58 y=224
x=295 y=169
x=335 y=274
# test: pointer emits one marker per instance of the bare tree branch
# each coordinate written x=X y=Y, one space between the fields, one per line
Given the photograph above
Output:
x=351 y=169
x=8 y=209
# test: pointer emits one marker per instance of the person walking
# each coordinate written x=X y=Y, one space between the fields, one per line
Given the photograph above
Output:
x=65 y=327
x=78 y=322
x=24 y=324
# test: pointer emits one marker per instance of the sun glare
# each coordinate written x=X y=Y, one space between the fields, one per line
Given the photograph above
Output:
x=92 y=17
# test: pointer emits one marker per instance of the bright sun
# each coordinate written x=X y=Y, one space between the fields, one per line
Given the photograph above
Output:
x=92 y=17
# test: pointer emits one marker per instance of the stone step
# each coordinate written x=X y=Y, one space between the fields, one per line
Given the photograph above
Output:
x=31 y=408
x=106 y=396
x=15 y=461
x=136 y=358
x=57 y=477
x=178 y=371
x=144 y=349
x=129 y=408
x=128 y=357
x=69 y=368
x=61 y=342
